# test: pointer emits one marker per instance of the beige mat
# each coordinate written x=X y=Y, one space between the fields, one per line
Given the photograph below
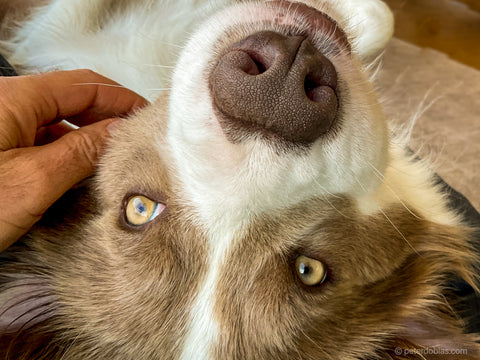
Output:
x=414 y=79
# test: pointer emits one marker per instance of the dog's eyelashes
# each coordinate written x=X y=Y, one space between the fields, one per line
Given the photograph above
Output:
x=140 y=210
x=311 y=272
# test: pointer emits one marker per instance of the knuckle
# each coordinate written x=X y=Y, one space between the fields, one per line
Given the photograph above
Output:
x=87 y=73
x=84 y=149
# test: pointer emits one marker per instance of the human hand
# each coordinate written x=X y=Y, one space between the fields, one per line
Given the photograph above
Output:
x=40 y=158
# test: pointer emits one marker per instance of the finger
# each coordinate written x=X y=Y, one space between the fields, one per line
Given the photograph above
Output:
x=72 y=158
x=34 y=178
x=30 y=102
x=50 y=133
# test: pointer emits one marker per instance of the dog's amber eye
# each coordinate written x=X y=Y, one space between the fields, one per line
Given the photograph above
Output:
x=141 y=210
x=312 y=272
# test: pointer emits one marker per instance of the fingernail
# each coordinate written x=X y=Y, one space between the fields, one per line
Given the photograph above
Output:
x=113 y=126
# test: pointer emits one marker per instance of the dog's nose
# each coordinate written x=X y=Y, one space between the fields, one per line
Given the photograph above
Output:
x=276 y=84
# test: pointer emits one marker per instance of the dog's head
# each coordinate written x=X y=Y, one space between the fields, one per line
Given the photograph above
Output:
x=255 y=212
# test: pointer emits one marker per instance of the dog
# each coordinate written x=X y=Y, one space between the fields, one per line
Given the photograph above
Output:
x=259 y=208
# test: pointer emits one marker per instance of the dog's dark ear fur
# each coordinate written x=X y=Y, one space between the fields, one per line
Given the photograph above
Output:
x=430 y=306
x=28 y=306
x=443 y=331
x=402 y=349
x=33 y=343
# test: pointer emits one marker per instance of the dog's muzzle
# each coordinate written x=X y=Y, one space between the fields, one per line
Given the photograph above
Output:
x=276 y=85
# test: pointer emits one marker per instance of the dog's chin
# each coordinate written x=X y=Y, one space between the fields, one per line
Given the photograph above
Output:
x=294 y=18
x=340 y=160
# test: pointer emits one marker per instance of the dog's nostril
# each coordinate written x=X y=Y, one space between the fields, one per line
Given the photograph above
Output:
x=312 y=88
x=254 y=64
x=316 y=90
x=294 y=98
x=260 y=66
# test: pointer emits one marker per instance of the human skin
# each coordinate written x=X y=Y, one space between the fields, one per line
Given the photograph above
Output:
x=40 y=157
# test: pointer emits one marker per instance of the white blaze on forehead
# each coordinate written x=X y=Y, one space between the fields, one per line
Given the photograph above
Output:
x=204 y=329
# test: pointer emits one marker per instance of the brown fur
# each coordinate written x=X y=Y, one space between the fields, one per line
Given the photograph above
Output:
x=111 y=293
x=106 y=291
x=108 y=282
x=378 y=284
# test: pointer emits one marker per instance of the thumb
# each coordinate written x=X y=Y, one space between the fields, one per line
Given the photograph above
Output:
x=74 y=156
x=34 y=178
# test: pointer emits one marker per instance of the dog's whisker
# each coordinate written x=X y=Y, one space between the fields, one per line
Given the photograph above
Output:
x=65 y=353
x=100 y=84
x=159 y=66
x=391 y=222
x=315 y=180
x=140 y=65
x=375 y=66
x=290 y=7
x=159 y=89
x=160 y=41
x=448 y=305
x=422 y=357
x=310 y=340
x=336 y=209
x=325 y=197
x=329 y=193
x=379 y=175
x=398 y=231
x=422 y=108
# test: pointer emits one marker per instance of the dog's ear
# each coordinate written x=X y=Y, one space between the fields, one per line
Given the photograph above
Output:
x=436 y=290
x=367 y=23
x=436 y=333
x=444 y=328
x=28 y=302
x=28 y=306
x=404 y=349
x=26 y=330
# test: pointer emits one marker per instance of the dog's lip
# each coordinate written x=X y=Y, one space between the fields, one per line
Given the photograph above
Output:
x=310 y=21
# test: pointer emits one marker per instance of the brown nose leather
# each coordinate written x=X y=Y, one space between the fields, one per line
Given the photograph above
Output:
x=276 y=84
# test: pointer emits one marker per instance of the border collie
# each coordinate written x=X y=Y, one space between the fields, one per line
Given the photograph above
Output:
x=259 y=208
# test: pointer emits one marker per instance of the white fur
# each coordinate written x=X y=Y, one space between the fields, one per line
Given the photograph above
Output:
x=204 y=330
x=371 y=25
x=134 y=50
x=211 y=166
x=409 y=181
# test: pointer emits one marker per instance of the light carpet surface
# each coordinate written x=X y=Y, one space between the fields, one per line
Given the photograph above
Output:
x=417 y=81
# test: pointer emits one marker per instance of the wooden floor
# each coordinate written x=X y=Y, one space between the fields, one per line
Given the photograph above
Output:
x=451 y=26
